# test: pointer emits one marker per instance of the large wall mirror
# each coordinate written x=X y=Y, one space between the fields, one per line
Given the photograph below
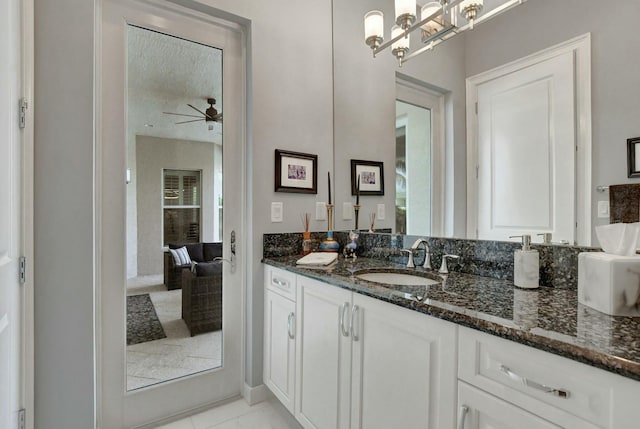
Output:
x=367 y=116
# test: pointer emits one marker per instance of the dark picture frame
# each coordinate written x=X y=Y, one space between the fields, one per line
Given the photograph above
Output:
x=371 y=177
x=296 y=172
x=633 y=157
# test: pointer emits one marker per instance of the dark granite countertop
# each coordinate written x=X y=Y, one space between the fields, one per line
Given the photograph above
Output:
x=549 y=319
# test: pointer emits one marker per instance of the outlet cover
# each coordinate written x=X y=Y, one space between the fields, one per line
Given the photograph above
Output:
x=276 y=212
x=381 y=213
x=347 y=211
x=603 y=208
x=321 y=211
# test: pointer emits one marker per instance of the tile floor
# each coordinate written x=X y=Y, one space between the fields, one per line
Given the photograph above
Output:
x=239 y=415
x=177 y=355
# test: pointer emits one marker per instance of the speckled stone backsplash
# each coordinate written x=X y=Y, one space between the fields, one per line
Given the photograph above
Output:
x=558 y=263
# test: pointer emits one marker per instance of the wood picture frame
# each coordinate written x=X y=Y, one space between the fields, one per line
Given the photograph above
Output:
x=296 y=172
x=371 y=177
x=633 y=157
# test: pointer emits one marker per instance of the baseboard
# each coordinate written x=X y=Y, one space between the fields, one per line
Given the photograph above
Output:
x=254 y=395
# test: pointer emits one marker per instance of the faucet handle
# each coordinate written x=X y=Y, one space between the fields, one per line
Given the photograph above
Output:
x=546 y=237
x=410 y=263
x=443 y=267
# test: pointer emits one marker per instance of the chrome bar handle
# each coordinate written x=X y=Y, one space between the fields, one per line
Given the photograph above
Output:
x=534 y=385
x=354 y=318
x=290 y=331
x=343 y=310
x=462 y=416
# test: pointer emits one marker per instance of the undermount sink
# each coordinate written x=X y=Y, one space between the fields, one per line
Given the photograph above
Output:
x=396 y=278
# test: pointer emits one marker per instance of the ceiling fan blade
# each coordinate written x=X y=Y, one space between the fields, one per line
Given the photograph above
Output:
x=198 y=110
x=181 y=114
x=186 y=122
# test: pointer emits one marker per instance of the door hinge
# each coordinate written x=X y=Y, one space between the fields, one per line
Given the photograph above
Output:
x=22 y=112
x=22 y=270
x=22 y=418
x=476 y=107
x=477 y=171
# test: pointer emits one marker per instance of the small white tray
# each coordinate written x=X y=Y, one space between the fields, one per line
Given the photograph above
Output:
x=318 y=258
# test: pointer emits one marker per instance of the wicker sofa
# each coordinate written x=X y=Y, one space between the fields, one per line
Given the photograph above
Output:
x=202 y=298
x=198 y=252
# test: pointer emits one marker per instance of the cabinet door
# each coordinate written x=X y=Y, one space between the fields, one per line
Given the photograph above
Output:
x=279 y=347
x=323 y=355
x=403 y=371
x=484 y=411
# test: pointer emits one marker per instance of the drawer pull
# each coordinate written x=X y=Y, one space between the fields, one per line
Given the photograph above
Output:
x=462 y=415
x=281 y=283
x=290 y=325
x=343 y=310
x=529 y=383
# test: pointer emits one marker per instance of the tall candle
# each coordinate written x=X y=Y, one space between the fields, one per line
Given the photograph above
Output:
x=329 y=181
x=358 y=190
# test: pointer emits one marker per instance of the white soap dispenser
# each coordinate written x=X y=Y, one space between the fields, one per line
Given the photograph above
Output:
x=526 y=265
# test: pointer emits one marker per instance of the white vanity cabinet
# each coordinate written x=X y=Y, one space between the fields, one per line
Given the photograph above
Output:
x=364 y=363
x=280 y=334
x=497 y=376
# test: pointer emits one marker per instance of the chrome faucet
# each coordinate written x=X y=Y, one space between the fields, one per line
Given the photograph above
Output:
x=427 y=252
x=443 y=267
x=410 y=263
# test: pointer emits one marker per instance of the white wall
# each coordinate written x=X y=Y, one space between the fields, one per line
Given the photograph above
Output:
x=615 y=81
x=154 y=154
x=64 y=195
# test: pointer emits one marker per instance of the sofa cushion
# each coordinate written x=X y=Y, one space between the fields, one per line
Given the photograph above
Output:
x=194 y=249
x=181 y=256
x=209 y=269
x=212 y=250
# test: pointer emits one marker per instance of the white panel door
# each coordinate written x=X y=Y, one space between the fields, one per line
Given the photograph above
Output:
x=323 y=355
x=121 y=408
x=404 y=368
x=526 y=152
x=280 y=347
x=485 y=411
x=9 y=213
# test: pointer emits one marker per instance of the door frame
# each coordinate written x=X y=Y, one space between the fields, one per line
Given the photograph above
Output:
x=411 y=91
x=209 y=16
x=27 y=353
x=580 y=47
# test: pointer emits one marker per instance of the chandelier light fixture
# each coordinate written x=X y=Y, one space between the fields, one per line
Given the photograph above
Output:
x=439 y=21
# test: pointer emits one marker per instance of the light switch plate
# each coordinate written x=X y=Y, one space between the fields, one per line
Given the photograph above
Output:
x=603 y=208
x=276 y=212
x=381 y=212
x=347 y=211
x=321 y=211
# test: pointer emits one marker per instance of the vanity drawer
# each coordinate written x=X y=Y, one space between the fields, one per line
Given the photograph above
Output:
x=280 y=281
x=518 y=374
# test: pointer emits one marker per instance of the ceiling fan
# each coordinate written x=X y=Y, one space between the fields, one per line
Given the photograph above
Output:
x=209 y=115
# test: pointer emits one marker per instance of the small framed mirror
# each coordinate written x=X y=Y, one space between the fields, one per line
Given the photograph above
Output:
x=633 y=157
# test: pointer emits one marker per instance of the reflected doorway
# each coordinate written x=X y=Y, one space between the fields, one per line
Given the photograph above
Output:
x=174 y=208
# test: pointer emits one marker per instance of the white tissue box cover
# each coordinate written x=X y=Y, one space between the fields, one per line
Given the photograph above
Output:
x=609 y=283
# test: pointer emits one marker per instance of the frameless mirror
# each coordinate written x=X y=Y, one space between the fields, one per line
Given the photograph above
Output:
x=174 y=207
x=366 y=112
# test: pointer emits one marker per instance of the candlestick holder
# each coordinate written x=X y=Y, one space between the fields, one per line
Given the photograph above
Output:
x=329 y=245
x=356 y=209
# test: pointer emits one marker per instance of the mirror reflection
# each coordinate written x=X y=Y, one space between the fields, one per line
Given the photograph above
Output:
x=174 y=208
x=550 y=128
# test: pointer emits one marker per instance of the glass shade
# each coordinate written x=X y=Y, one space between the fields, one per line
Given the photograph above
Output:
x=427 y=10
x=466 y=3
x=403 y=43
x=373 y=24
x=404 y=7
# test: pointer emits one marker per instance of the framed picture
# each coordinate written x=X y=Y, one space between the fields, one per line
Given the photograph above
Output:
x=371 y=177
x=296 y=172
x=633 y=157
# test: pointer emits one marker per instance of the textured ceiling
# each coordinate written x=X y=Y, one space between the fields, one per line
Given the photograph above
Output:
x=164 y=74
